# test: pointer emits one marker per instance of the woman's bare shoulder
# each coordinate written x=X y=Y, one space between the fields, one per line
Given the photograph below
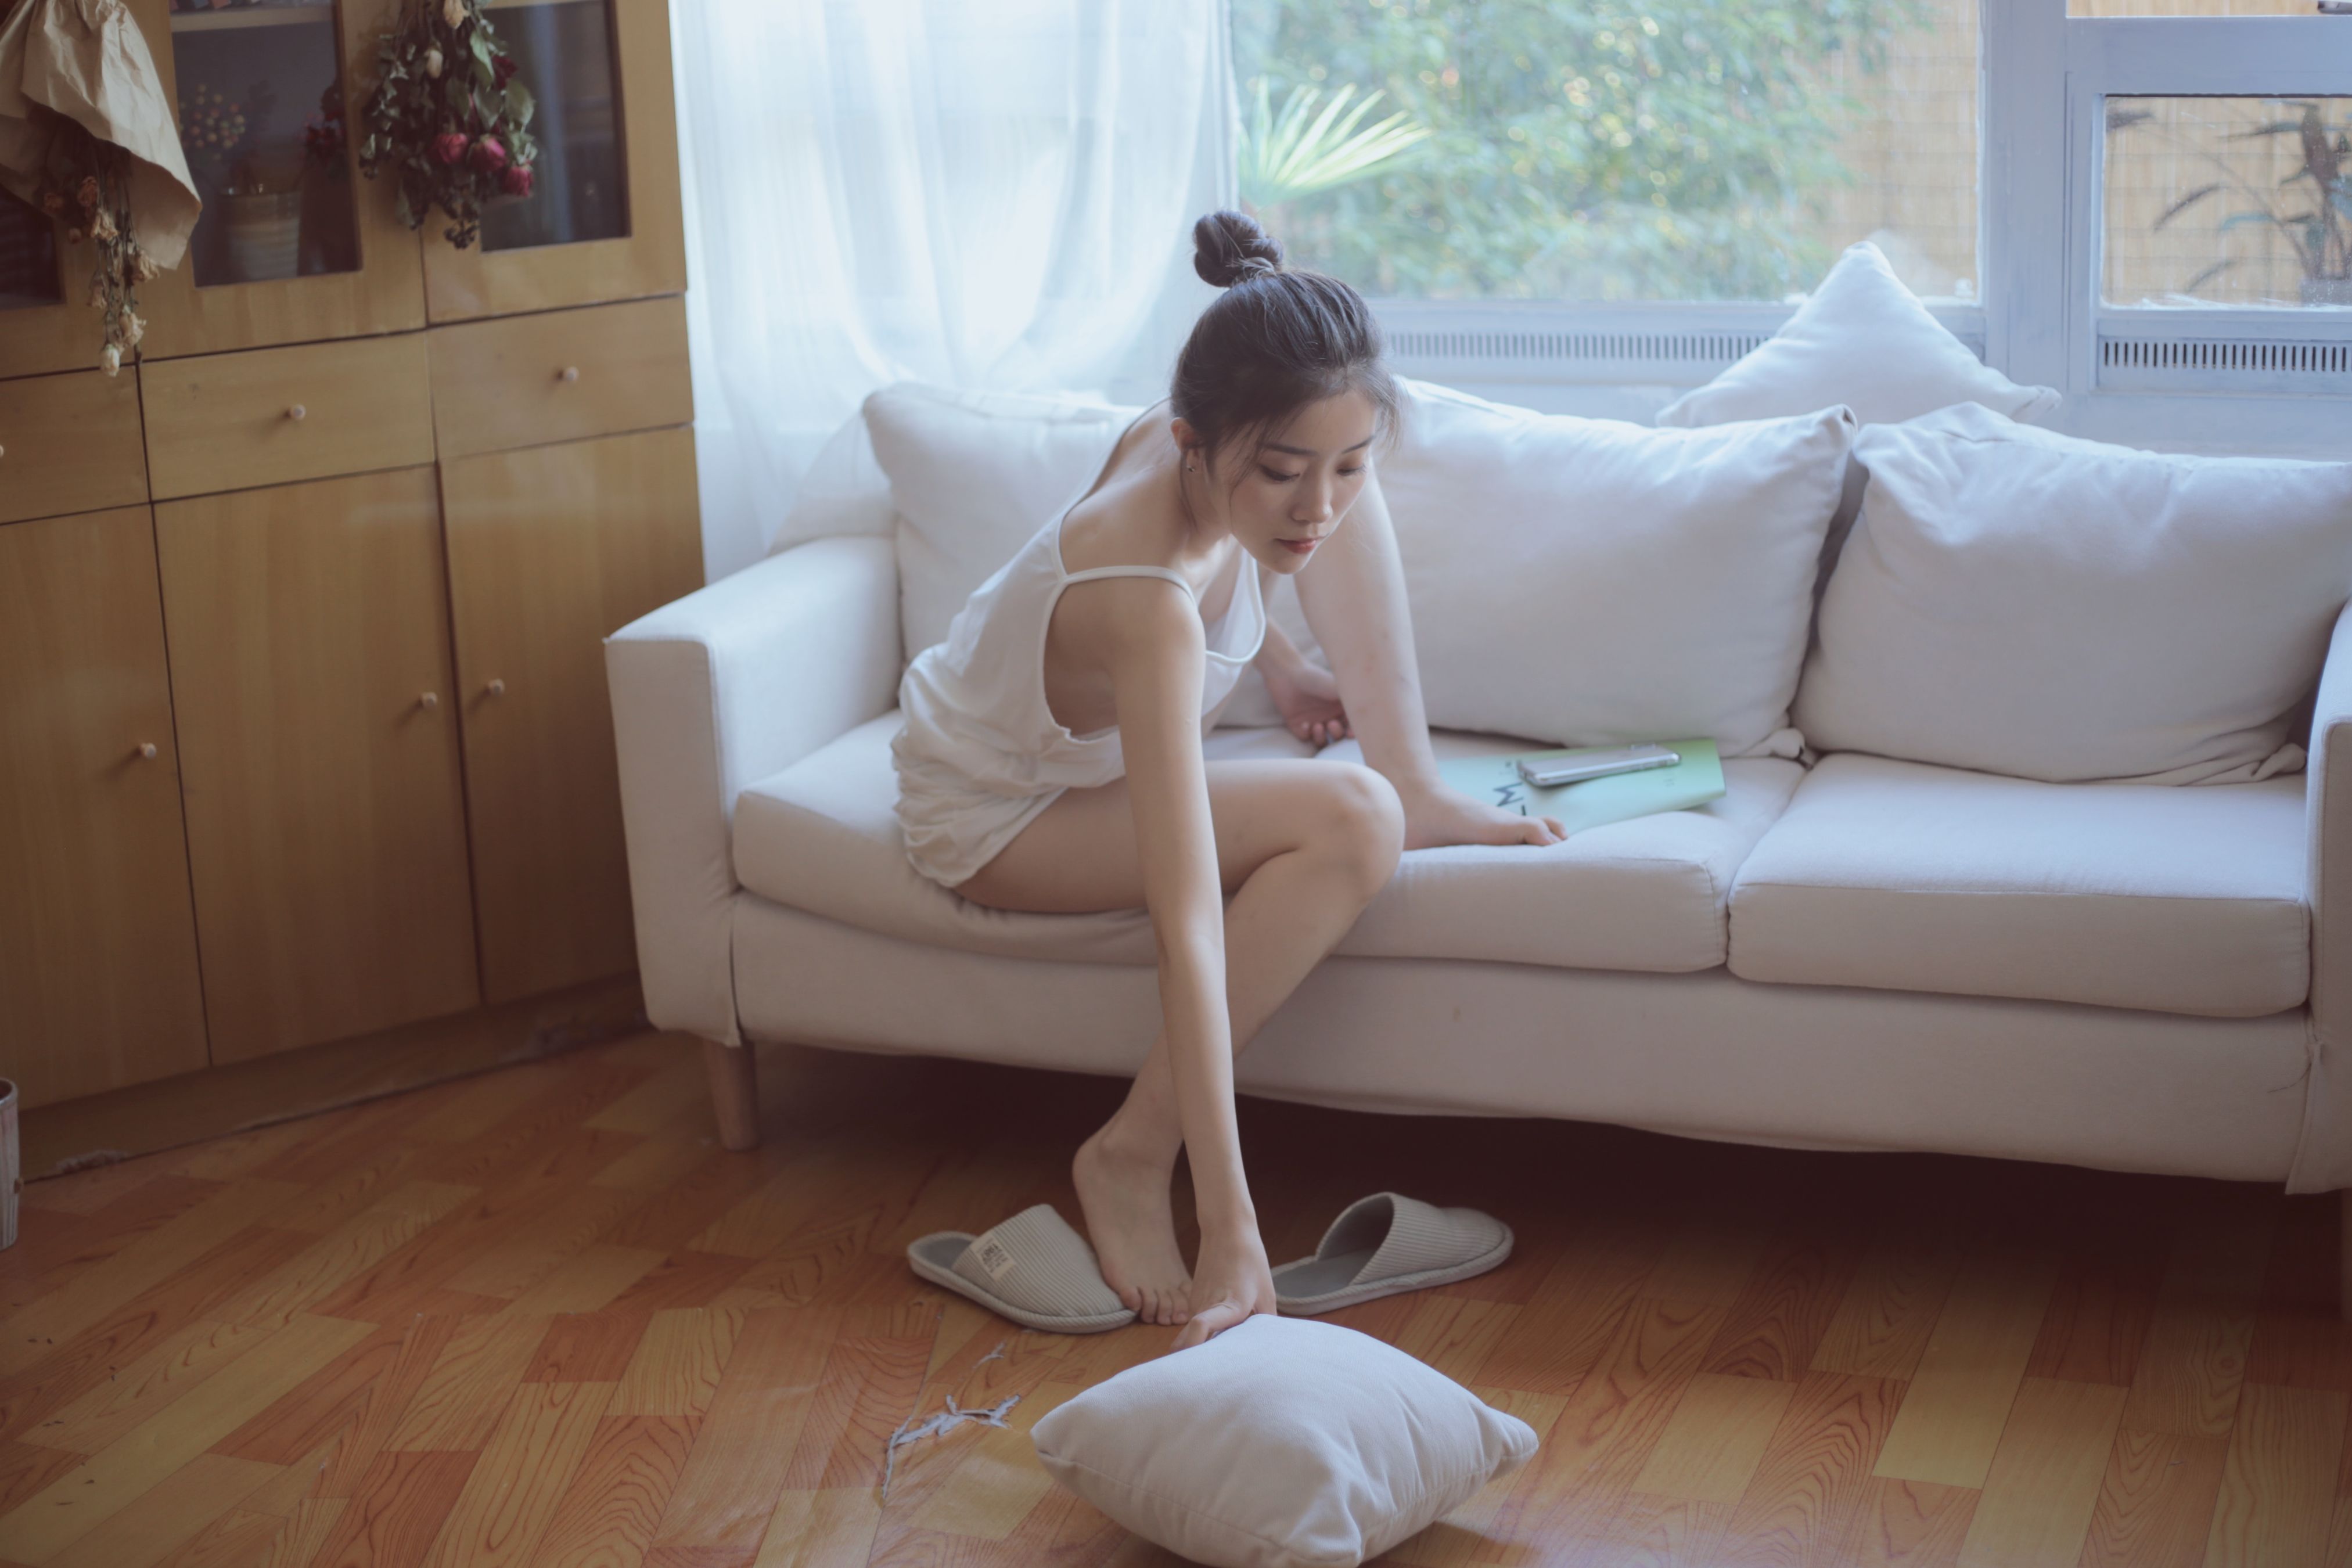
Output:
x=1127 y=518
x=1148 y=434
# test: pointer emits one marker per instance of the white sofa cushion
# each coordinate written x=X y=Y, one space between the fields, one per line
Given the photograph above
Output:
x=973 y=476
x=1648 y=894
x=1863 y=340
x=1585 y=581
x=2031 y=604
x=1905 y=877
x=1642 y=895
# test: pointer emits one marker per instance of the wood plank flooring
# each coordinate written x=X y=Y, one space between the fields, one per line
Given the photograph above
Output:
x=537 y=1318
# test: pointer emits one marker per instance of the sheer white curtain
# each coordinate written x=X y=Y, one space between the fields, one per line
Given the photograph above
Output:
x=997 y=194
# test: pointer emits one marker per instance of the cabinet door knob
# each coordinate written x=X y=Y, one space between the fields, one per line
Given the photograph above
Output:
x=4 y=451
x=296 y=412
x=430 y=699
x=147 y=749
x=497 y=688
x=568 y=373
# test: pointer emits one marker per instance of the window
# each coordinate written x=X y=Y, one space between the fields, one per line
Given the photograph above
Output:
x=1540 y=193
x=1612 y=148
x=2227 y=201
x=2171 y=269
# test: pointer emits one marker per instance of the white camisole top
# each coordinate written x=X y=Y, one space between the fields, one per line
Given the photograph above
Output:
x=981 y=752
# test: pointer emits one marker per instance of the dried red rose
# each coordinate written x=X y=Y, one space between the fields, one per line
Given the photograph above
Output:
x=490 y=155
x=517 y=181
x=450 y=146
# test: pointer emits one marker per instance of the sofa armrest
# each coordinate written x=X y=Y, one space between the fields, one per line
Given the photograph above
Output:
x=2324 y=1160
x=723 y=687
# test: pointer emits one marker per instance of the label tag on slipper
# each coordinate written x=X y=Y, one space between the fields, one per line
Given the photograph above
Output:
x=994 y=1258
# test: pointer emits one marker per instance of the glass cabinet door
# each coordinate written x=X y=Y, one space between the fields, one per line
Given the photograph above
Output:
x=601 y=219
x=260 y=105
x=46 y=322
x=28 y=257
x=292 y=244
x=564 y=51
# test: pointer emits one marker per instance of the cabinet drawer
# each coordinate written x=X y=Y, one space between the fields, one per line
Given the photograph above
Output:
x=70 y=443
x=560 y=376
x=270 y=417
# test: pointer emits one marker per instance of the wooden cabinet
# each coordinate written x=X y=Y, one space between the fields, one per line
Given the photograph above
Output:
x=98 y=942
x=309 y=646
x=357 y=571
x=551 y=550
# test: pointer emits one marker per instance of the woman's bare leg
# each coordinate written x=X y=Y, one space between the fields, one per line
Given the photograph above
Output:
x=1302 y=847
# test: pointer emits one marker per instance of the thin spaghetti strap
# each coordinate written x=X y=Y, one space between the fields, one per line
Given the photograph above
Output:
x=1094 y=571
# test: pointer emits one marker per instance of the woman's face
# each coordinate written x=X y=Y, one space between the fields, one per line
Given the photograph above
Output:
x=1295 y=494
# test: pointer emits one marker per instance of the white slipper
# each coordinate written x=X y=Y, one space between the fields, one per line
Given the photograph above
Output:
x=1033 y=1268
x=1388 y=1243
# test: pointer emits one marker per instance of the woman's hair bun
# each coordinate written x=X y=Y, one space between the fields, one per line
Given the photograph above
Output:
x=1229 y=247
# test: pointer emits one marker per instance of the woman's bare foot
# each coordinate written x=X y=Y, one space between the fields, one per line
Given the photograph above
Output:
x=1234 y=1284
x=1132 y=1227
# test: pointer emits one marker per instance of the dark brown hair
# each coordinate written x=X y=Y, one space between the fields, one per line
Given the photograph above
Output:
x=1277 y=339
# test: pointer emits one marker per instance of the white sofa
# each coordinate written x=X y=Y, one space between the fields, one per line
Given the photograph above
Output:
x=1869 y=953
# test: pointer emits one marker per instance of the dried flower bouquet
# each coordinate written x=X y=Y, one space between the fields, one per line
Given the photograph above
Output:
x=447 y=117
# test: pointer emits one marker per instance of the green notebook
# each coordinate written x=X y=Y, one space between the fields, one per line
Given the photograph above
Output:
x=1694 y=781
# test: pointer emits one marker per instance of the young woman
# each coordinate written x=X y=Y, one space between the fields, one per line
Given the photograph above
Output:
x=1051 y=758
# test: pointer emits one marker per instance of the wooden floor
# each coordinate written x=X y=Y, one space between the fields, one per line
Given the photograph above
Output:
x=538 y=1319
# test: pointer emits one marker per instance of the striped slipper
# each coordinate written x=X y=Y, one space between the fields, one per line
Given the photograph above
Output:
x=1033 y=1268
x=1388 y=1243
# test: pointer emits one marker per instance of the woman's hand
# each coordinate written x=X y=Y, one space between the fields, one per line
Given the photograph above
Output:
x=1232 y=1282
x=1443 y=815
x=1308 y=700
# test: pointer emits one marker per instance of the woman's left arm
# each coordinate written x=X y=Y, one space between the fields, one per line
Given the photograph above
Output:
x=1353 y=594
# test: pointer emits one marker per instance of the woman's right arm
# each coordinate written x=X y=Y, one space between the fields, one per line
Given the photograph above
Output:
x=1155 y=654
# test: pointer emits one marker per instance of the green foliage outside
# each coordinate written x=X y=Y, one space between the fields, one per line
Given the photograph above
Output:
x=1578 y=148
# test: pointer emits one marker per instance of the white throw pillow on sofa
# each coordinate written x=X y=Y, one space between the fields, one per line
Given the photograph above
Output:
x=1863 y=340
x=1281 y=1443
x=2024 y=602
x=1586 y=580
x=973 y=476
